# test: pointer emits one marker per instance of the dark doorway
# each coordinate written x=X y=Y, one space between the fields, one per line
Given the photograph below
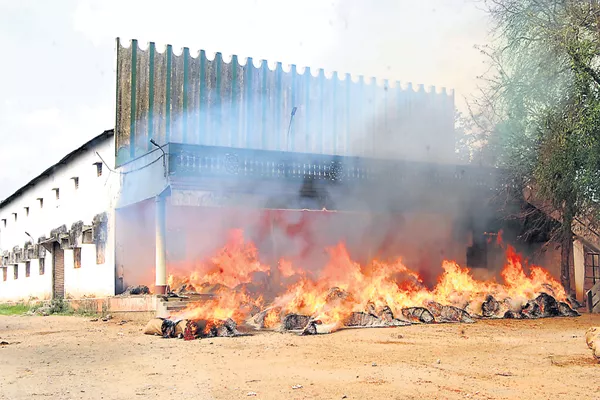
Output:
x=58 y=272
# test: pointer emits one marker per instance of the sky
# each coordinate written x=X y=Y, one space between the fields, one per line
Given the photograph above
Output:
x=57 y=75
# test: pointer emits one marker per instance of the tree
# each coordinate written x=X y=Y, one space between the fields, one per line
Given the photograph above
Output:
x=540 y=109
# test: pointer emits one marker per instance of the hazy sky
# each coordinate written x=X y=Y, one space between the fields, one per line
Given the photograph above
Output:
x=57 y=75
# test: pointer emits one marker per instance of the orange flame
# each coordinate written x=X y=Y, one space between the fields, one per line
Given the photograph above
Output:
x=344 y=286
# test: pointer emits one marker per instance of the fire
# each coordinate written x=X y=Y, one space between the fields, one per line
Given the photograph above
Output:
x=234 y=264
x=344 y=286
x=520 y=285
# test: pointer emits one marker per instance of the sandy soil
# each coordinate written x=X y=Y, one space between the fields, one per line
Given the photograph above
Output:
x=75 y=358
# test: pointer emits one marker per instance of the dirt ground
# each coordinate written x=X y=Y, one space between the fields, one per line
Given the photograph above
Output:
x=75 y=358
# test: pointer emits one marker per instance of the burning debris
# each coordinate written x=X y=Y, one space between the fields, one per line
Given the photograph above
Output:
x=191 y=329
x=491 y=308
x=418 y=315
x=226 y=328
x=294 y=322
x=136 y=290
x=240 y=290
x=442 y=313
x=543 y=306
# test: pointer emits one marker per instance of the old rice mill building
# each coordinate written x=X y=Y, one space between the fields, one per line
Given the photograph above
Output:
x=204 y=143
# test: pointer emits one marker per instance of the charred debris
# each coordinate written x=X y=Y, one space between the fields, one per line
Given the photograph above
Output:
x=542 y=306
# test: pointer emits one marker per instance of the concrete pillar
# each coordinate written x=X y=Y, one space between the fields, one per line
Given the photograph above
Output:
x=161 y=246
x=579 y=268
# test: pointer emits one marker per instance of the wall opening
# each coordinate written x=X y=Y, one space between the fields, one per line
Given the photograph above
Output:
x=4 y=274
x=58 y=272
x=100 y=250
x=77 y=257
x=27 y=269
x=16 y=272
x=42 y=262
x=98 y=168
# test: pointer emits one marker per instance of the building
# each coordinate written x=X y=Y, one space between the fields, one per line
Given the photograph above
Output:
x=57 y=231
x=202 y=145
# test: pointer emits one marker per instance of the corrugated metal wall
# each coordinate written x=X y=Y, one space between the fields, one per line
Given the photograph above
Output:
x=185 y=99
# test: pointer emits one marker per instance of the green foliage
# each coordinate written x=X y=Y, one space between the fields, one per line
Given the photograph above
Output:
x=541 y=110
x=13 y=309
x=59 y=306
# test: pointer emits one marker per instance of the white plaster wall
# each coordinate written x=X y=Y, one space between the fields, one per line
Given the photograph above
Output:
x=95 y=194
x=91 y=280
x=35 y=286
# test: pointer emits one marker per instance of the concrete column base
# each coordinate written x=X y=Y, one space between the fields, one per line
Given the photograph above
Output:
x=579 y=268
x=161 y=246
x=160 y=289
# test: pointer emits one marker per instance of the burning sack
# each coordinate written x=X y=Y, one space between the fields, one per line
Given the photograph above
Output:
x=316 y=327
x=443 y=313
x=592 y=339
x=154 y=327
x=259 y=320
x=180 y=327
x=374 y=318
x=545 y=306
x=566 y=310
x=295 y=322
x=165 y=328
x=169 y=328
x=362 y=319
x=186 y=288
x=418 y=314
x=134 y=290
x=492 y=308
x=224 y=328
x=369 y=320
x=193 y=329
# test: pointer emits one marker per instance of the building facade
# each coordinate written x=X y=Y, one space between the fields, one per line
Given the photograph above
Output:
x=205 y=145
x=57 y=232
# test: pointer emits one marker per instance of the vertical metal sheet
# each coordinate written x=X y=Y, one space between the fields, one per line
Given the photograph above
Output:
x=192 y=99
x=142 y=98
x=177 y=115
x=159 y=115
x=123 y=113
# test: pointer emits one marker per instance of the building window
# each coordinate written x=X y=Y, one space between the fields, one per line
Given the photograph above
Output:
x=76 y=182
x=26 y=211
x=41 y=200
x=16 y=272
x=27 y=269
x=98 y=168
x=57 y=193
x=4 y=222
x=77 y=257
x=42 y=265
x=15 y=214
x=5 y=273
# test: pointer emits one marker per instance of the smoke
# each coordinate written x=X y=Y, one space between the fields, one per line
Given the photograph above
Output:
x=420 y=215
x=419 y=209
